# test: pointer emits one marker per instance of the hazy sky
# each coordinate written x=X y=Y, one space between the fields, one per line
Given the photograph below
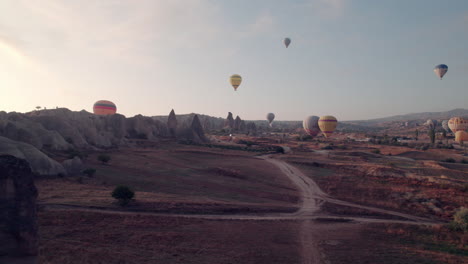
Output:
x=354 y=59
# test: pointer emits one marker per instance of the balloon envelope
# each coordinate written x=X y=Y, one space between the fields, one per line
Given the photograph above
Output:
x=327 y=125
x=311 y=126
x=457 y=124
x=431 y=123
x=440 y=70
x=270 y=117
x=235 y=81
x=445 y=125
x=461 y=136
x=286 y=42
x=104 y=107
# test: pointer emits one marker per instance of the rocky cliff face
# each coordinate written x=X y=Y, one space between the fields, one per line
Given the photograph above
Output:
x=61 y=129
x=39 y=162
x=18 y=220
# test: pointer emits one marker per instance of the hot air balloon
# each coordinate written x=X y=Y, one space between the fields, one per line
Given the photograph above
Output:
x=327 y=125
x=461 y=136
x=286 y=42
x=103 y=107
x=431 y=123
x=235 y=80
x=270 y=117
x=445 y=125
x=457 y=124
x=311 y=126
x=440 y=70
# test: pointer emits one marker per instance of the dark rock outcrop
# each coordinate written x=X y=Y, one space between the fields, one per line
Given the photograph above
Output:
x=229 y=122
x=172 y=123
x=18 y=220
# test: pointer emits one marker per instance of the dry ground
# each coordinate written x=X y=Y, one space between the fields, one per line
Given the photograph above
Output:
x=194 y=179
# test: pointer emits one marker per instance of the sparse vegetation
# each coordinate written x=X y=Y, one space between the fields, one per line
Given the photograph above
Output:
x=104 y=158
x=376 y=151
x=123 y=194
x=450 y=160
x=89 y=172
x=71 y=153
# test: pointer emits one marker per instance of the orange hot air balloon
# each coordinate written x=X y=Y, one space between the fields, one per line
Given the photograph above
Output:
x=457 y=124
x=461 y=136
x=103 y=107
x=327 y=125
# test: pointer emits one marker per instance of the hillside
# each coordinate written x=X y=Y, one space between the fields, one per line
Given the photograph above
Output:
x=421 y=117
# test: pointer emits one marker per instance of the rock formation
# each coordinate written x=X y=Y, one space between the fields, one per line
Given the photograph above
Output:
x=195 y=132
x=18 y=220
x=251 y=128
x=172 y=123
x=62 y=129
x=237 y=122
x=229 y=122
x=39 y=162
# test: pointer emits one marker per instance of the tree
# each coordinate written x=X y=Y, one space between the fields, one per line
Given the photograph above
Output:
x=104 y=158
x=431 y=134
x=460 y=221
x=89 y=172
x=123 y=194
x=416 y=134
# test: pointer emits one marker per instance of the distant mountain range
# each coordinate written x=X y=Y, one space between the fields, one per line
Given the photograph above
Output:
x=412 y=117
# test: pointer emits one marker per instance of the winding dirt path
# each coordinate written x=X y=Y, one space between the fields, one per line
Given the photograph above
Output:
x=312 y=197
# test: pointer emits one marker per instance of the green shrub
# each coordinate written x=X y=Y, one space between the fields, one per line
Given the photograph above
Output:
x=123 y=194
x=104 y=158
x=328 y=147
x=89 y=172
x=460 y=219
x=376 y=151
x=464 y=161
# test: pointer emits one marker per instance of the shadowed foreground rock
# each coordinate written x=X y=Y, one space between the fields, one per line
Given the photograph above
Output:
x=18 y=220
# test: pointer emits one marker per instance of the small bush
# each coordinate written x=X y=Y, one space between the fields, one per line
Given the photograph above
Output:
x=89 y=172
x=450 y=160
x=279 y=150
x=425 y=147
x=104 y=158
x=464 y=161
x=460 y=219
x=327 y=147
x=123 y=194
x=71 y=153
x=376 y=151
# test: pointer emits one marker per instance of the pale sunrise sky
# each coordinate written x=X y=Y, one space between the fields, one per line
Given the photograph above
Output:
x=354 y=59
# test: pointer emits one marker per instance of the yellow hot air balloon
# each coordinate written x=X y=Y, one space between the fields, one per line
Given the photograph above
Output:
x=327 y=125
x=235 y=81
x=461 y=136
x=457 y=124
